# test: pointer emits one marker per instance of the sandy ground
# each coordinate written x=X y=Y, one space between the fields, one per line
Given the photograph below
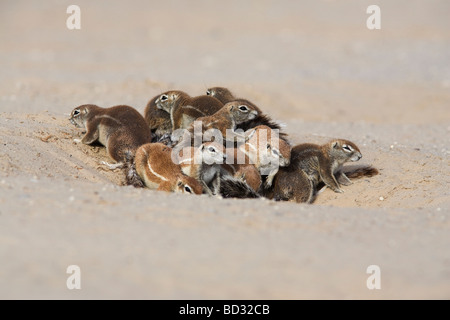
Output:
x=310 y=64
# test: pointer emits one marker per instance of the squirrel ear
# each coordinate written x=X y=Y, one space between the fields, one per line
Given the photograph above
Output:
x=335 y=144
x=202 y=147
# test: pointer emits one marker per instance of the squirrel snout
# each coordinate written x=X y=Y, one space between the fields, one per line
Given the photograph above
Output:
x=253 y=114
x=356 y=157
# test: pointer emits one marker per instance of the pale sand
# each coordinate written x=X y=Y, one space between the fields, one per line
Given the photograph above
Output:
x=312 y=65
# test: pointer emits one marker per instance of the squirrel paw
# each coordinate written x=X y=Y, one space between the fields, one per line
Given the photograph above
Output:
x=112 y=166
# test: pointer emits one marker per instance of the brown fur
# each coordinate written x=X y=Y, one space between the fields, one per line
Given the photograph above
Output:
x=158 y=120
x=155 y=167
x=231 y=187
x=225 y=96
x=121 y=129
x=222 y=94
x=184 y=109
x=291 y=184
x=203 y=163
x=239 y=166
x=313 y=165
x=227 y=118
x=266 y=151
x=356 y=173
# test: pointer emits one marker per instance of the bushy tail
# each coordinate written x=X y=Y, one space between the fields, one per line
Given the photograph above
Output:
x=234 y=188
x=131 y=176
x=267 y=121
x=360 y=172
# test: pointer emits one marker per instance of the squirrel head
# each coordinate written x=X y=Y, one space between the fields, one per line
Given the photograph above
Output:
x=220 y=93
x=265 y=145
x=343 y=151
x=212 y=152
x=186 y=184
x=169 y=99
x=242 y=110
x=81 y=114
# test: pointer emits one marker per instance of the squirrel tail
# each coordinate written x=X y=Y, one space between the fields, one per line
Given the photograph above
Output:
x=131 y=176
x=235 y=188
x=360 y=172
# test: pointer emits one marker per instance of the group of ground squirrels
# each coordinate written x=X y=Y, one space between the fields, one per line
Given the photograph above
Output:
x=215 y=144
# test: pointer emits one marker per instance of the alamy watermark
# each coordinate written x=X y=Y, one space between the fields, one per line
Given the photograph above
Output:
x=73 y=22
x=374 y=280
x=374 y=20
x=74 y=280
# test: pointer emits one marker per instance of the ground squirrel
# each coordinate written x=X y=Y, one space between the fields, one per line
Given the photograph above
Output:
x=266 y=151
x=312 y=165
x=158 y=120
x=154 y=165
x=239 y=166
x=263 y=154
x=203 y=163
x=184 y=109
x=222 y=94
x=121 y=129
x=225 y=96
x=227 y=118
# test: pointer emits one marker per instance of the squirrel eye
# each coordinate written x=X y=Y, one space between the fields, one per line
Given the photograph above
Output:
x=188 y=189
x=275 y=152
x=211 y=149
x=76 y=112
x=208 y=93
x=347 y=148
x=164 y=97
x=243 y=108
